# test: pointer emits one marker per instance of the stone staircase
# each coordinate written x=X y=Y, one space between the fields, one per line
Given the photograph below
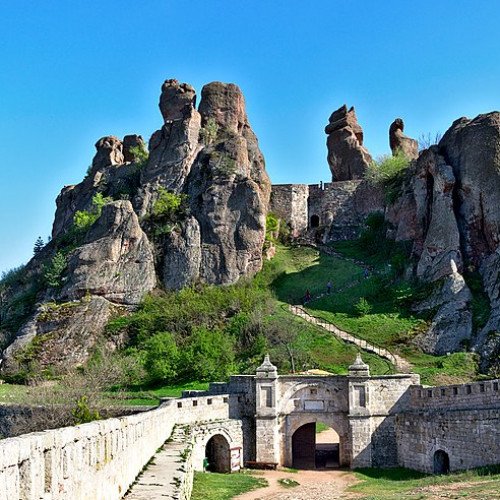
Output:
x=400 y=363
x=167 y=474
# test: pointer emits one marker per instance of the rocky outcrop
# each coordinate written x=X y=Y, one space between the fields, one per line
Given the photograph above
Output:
x=182 y=256
x=65 y=334
x=472 y=147
x=173 y=148
x=347 y=157
x=449 y=209
x=451 y=326
x=425 y=215
x=119 y=251
x=109 y=173
x=398 y=141
x=131 y=143
x=228 y=190
x=116 y=260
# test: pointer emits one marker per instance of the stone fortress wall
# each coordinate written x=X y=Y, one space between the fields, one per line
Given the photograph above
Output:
x=461 y=420
x=337 y=209
x=381 y=421
x=102 y=459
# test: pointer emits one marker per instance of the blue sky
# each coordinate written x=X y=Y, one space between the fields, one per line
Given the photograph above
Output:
x=72 y=72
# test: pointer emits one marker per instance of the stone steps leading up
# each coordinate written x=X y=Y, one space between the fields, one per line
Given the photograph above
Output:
x=161 y=477
x=400 y=363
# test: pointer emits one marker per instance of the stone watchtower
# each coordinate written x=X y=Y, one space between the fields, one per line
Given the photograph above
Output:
x=266 y=424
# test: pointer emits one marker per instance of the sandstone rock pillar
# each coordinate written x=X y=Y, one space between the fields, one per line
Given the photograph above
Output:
x=399 y=142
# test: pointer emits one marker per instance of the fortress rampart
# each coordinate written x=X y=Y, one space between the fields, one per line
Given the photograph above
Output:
x=380 y=421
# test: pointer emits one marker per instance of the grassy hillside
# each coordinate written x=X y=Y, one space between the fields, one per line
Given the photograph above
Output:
x=389 y=322
x=179 y=340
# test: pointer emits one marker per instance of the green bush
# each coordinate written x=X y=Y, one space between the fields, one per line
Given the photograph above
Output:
x=272 y=226
x=167 y=204
x=363 y=307
x=161 y=357
x=388 y=171
x=168 y=209
x=208 y=133
x=82 y=413
x=141 y=155
x=387 y=167
x=83 y=219
x=208 y=355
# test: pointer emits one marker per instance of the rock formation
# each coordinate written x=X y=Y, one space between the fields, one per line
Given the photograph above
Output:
x=449 y=210
x=347 y=157
x=472 y=147
x=398 y=141
x=228 y=190
x=115 y=261
x=217 y=238
x=173 y=148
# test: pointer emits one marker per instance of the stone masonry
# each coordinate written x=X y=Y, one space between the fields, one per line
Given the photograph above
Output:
x=333 y=211
x=381 y=421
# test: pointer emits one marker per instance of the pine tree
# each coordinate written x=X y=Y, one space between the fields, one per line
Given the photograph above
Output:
x=39 y=244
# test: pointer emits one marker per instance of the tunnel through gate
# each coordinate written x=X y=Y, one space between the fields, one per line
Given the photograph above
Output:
x=218 y=454
x=315 y=446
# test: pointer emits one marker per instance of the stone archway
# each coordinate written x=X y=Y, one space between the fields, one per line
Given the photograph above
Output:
x=218 y=454
x=309 y=451
x=441 y=462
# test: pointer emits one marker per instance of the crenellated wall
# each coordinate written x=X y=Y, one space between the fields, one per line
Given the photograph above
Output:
x=462 y=421
x=100 y=459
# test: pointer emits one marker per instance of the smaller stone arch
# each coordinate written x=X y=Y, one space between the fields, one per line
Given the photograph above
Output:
x=230 y=430
x=441 y=462
x=218 y=454
x=314 y=221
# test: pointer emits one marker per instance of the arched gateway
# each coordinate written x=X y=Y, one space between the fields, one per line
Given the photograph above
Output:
x=218 y=454
x=358 y=408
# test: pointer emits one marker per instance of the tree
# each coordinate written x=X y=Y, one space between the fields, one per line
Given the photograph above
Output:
x=162 y=357
x=209 y=355
x=208 y=132
x=53 y=273
x=83 y=219
x=38 y=247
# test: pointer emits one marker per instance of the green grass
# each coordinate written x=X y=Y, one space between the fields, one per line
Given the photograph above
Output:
x=303 y=268
x=321 y=427
x=14 y=393
x=398 y=483
x=212 y=486
x=151 y=397
x=390 y=323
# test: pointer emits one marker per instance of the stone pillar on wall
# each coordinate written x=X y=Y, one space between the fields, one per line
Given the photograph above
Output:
x=267 y=438
x=359 y=414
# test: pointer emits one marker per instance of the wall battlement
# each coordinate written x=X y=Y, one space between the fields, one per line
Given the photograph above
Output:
x=483 y=394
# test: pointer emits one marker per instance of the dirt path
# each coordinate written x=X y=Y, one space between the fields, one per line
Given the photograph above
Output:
x=313 y=485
